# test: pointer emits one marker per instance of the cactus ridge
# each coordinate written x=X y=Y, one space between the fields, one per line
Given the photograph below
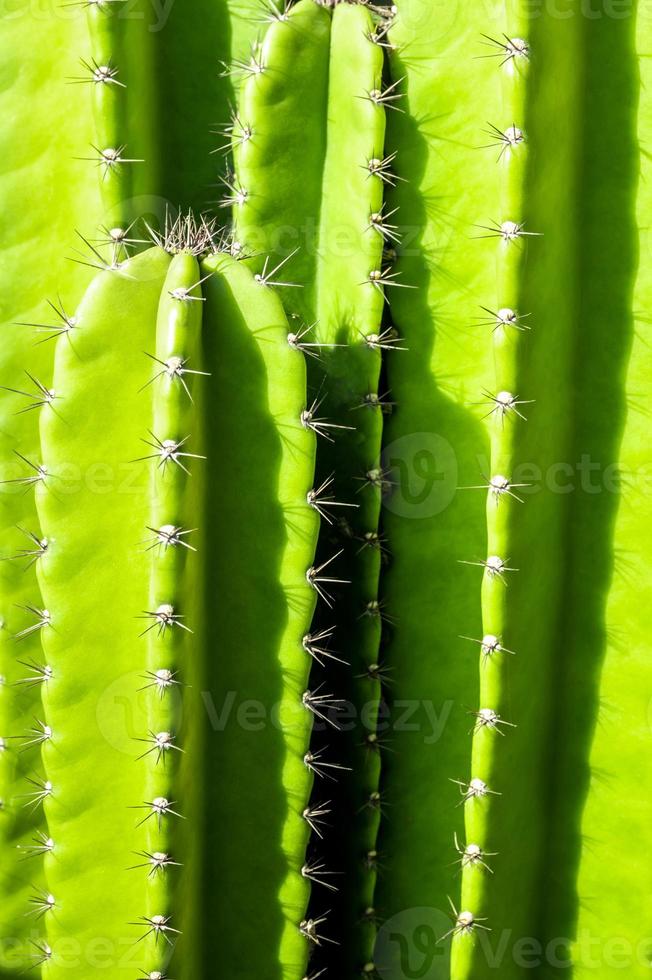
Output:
x=165 y=623
x=50 y=131
x=503 y=514
x=327 y=186
x=261 y=376
x=93 y=531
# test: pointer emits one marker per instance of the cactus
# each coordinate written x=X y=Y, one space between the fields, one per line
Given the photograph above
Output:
x=315 y=170
x=88 y=451
x=43 y=133
x=142 y=662
x=259 y=550
x=313 y=662
x=521 y=850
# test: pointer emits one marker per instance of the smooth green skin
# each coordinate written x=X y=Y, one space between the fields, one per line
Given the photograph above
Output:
x=613 y=883
x=282 y=208
x=598 y=886
x=39 y=138
x=314 y=132
x=94 y=506
x=259 y=541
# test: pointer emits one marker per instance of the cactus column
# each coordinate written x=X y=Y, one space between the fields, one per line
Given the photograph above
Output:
x=258 y=546
x=492 y=720
x=599 y=892
x=310 y=172
x=44 y=195
x=504 y=842
x=121 y=757
x=436 y=442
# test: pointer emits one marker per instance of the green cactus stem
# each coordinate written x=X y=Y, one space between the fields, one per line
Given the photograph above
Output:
x=260 y=541
x=446 y=185
x=324 y=528
x=149 y=693
x=507 y=405
x=38 y=140
x=94 y=504
x=308 y=192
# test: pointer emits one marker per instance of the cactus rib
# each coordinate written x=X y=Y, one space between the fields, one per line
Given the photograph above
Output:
x=265 y=528
x=493 y=720
x=174 y=445
x=105 y=72
x=37 y=138
x=94 y=504
x=330 y=195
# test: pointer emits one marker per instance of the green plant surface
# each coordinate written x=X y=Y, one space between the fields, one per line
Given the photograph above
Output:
x=94 y=507
x=193 y=84
x=615 y=913
x=308 y=200
x=259 y=543
x=599 y=895
x=171 y=630
x=558 y=540
x=324 y=535
x=39 y=138
x=435 y=444
x=493 y=727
